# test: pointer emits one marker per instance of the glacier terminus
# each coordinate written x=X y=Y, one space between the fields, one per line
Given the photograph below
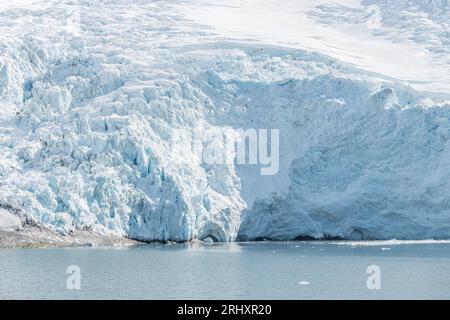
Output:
x=347 y=102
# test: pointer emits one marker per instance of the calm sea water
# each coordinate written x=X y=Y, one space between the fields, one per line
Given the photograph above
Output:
x=295 y=270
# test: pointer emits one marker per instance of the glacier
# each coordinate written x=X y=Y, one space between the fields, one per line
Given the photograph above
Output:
x=95 y=94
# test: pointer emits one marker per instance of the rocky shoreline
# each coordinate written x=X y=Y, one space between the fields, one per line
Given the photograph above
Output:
x=16 y=232
x=36 y=237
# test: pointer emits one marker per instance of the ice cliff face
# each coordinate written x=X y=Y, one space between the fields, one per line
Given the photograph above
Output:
x=96 y=96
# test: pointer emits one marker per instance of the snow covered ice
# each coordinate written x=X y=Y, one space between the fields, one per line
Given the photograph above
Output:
x=8 y=221
x=94 y=95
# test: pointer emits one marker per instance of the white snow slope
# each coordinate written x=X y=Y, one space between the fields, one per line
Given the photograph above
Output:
x=94 y=96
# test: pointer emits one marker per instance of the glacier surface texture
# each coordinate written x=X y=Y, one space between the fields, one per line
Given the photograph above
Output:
x=96 y=96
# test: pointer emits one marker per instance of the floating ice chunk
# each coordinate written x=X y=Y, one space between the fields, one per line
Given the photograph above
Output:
x=208 y=240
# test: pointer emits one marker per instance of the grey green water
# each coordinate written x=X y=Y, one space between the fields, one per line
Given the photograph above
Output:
x=295 y=270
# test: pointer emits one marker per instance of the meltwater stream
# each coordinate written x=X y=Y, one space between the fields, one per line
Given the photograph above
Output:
x=288 y=270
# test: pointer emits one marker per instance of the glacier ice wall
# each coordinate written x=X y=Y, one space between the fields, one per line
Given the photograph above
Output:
x=92 y=109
